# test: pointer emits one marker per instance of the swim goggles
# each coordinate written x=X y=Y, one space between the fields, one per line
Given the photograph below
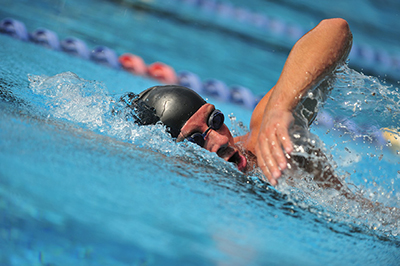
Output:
x=215 y=121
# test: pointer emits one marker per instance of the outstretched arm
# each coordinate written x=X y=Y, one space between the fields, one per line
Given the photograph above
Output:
x=314 y=56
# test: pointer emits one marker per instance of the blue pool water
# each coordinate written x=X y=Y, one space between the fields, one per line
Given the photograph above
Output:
x=81 y=187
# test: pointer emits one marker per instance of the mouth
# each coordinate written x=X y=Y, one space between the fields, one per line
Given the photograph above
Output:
x=239 y=160
x=232 y=155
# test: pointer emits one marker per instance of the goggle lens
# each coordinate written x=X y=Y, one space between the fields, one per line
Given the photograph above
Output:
x=197 y=138
x=216 y=120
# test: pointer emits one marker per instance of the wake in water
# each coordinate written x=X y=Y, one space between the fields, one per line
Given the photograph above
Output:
x=86 y=103
x=358 y=108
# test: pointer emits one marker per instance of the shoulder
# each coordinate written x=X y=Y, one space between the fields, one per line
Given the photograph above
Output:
x=241 y=139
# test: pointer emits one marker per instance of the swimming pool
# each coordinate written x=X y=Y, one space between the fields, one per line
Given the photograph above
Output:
x=80 y=187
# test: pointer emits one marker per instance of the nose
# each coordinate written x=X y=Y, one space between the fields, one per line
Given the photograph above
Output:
x=216 y=140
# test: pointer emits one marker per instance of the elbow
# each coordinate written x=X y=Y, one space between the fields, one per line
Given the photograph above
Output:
x=340 y=29
x=336 y=24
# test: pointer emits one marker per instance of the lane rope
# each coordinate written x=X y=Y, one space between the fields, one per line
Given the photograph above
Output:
x=164 y=73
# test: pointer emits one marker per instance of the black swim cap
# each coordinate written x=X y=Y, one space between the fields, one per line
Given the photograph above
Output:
x=173 y=104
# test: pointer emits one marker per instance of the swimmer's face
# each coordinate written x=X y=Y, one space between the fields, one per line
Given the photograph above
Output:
x=219 y=140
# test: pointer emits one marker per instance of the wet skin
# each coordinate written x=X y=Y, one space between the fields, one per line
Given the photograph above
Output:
x=315 y=56
x=219 y=141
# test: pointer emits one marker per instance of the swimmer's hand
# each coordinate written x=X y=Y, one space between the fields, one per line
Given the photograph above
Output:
x=311 y=59
x=273 y=140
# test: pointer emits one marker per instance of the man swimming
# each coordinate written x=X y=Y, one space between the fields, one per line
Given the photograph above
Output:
x=187 y=116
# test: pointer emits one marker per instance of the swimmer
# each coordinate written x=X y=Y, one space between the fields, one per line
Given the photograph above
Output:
x=188 y=116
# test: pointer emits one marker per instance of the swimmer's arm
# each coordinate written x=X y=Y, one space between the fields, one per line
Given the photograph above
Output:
x=313 y=56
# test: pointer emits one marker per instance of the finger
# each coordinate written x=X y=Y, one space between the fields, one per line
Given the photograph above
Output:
x=277 y=153
x=286 y=144
x=283 y=136
x=267 y=175
x=265 y=170
x=268 y=160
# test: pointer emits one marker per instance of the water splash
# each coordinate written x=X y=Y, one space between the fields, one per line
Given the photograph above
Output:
x=351 y=125
x=66 y=96
x=347 y=140
x=86 y=103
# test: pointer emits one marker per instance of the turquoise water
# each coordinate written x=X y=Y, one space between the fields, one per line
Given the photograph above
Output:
x=82 y=187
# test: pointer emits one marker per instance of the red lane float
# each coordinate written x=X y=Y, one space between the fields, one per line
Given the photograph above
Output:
x=133 y=64
x=163 y=73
